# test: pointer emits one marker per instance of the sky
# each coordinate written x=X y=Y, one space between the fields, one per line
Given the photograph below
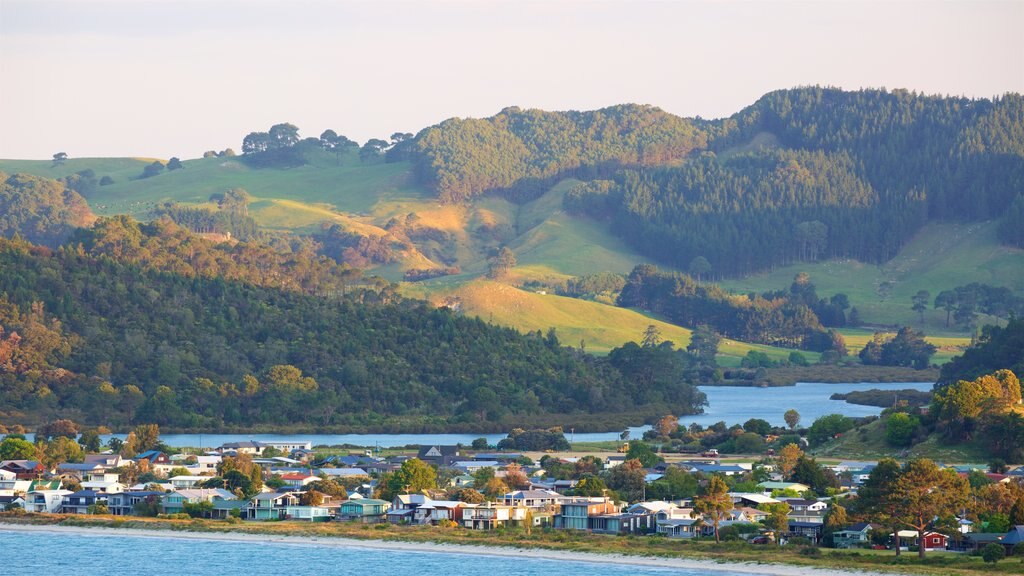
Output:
x=163 y=78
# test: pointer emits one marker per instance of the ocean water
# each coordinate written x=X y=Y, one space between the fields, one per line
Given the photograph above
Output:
x=35 y=553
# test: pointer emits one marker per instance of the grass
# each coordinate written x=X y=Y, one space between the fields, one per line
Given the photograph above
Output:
x=940 y=257
x=540 y=539
x=868 y=442
x=948 y=346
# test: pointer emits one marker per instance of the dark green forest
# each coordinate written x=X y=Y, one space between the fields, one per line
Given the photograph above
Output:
x=787 y=318
x=112 y=337
x=802 y=174
x=41 y=210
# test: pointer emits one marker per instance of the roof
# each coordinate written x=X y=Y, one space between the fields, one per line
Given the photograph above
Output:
x=367 y=502
x=524 y=494
x=753 y=497
x=297 y=476
x=1015 y=535
x=344 y=471
x=205 y=493
x=437 y=451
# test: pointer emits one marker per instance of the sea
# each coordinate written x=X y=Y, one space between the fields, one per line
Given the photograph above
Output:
x=35 y=553
x=729 y=404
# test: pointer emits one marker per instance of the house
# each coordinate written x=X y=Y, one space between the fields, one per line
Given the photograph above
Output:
x=23 y=469
x=803 y=505
x=932 y=540
x=184 y=481
x=437 y=511
x=499 y=456
x=811 y=530
x=45 y=500
x=107 y=461
x=324 y=512
x=748 y=514
x=288 y=446
x=174 y=502
x=298 y=480
x=853 y=536
x=1013 y=537
x=155 y=457
x=439 y=455
x=79 y=502
x=245 y=447
x=77 y=470
x=576 y=512
x=540 y=499
x=751 y=499
x=471 y=466
x=679 y=527
x=123 y=503
x=624 y=523
x=12 y=501
x=489 y=516
x=271 y=505
x=769 y=487
x=724 y=469
x=343 y=472
x=364 y=510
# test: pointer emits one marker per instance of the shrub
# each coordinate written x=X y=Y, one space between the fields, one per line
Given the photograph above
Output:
x=993 y=553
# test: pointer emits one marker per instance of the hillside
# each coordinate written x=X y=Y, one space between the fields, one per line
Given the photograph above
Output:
x=809 y=156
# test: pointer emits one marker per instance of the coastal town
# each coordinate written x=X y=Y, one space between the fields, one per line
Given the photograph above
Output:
x=481 y=489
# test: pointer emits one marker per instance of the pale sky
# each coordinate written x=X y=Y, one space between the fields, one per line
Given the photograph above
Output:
x=162 y=78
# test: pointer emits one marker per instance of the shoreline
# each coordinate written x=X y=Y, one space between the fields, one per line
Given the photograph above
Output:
x=472 y=550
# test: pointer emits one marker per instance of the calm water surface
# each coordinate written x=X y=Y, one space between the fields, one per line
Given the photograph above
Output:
x=127 y=555
x=733 y=405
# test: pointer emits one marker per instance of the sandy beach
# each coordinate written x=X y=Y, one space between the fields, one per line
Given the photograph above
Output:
x=679 y=563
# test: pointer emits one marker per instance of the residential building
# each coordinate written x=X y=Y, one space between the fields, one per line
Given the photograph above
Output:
x=174 y=502
x=364 y=510
x=48 y=501
x=489 y=516
x=438 y=455
x=539 y=499
x=854 y=536
x=79 y=502
x=123 y=503
x=576 y=512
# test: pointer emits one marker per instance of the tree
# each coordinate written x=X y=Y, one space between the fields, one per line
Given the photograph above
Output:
x=778 y=519
x=153 y=169
x=147 y=437
x=16 y=449
x=468 y=495
x=899 y=429
x=628 y=480
x=835 y=520
x=373 y=148
x=311 y=498
x=699 y=266
x=758 y=426
x=57 y=429
x=495 y=488
x=62 y=449
x=90 y=440
x=414 y=476
x=923 y=491
x=947 y=299
x=828 y=427
x=174 y=164
x=920 y=302
x=787 y=458
x=907 y=348
x=501 y=263
x=652 y=337
x=282 y=136
x=590 y=486
x=714 y=502
x=666 y=425
x=877 y=497
x=255 y=142
x=515 y=478
x=59 y=159
x=792 y=418
x=704 y=345
x=199 y=509
x=643 y=453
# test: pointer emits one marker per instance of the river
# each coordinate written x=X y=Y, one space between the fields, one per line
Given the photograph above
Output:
x=729 y=404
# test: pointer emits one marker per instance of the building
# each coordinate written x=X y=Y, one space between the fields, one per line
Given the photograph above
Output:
x=364 y=510
x=174 y=502
x=854 y=536
x=123 y=503
x=489 y=516
x=438 y=455
x=539 y=499
x=576 y=513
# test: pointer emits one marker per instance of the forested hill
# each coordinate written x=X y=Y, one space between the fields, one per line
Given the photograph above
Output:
x=800 y=175
x=105 y=342
x=523 y=151
x=41 y=210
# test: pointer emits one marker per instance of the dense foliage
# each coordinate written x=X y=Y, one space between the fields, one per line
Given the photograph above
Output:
x=115 y=342
x=525 y=150
x=996 y=349
x=40 y=210
x=784 y=319
x=799 y=175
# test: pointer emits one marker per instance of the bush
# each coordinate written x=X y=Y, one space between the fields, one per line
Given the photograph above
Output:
x=810 y=551
x=993 y=553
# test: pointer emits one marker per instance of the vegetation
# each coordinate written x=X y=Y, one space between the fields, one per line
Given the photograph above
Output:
x=40 y=210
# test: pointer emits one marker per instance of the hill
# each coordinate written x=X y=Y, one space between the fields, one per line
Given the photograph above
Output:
x=112 y=339
x=574 y=193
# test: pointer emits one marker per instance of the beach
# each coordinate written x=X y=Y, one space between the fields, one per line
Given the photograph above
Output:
x=533 y=553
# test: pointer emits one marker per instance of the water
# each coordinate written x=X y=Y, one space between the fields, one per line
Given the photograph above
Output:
x=128 y=555
x=733 y=405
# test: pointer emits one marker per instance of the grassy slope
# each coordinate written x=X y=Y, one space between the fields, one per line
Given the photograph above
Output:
x=868 y=442
x=550 y=245
x=940 y=257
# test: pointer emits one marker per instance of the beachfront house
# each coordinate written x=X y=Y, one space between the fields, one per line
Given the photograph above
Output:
x=576 y=512
x=123 y=503
x=79 y=502
x=489 y=516
x=46 y=500
x=174 y=503
x=364 y=510
x=855 y=536
x=538 y=499
x=271 y=505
